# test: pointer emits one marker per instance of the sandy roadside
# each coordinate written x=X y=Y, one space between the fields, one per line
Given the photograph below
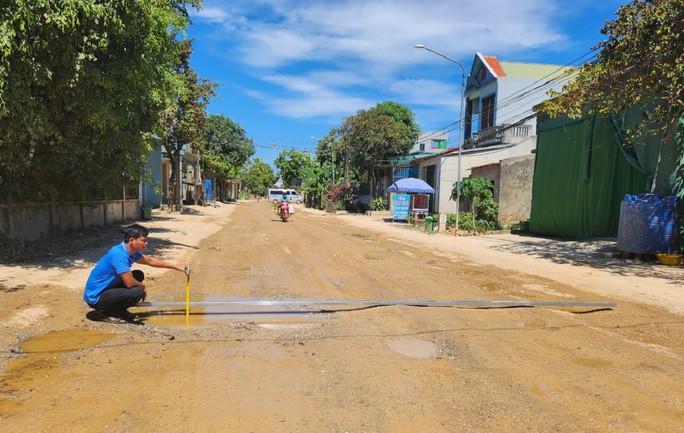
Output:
x=567 y=262
x=173 y=237
x=399 y=369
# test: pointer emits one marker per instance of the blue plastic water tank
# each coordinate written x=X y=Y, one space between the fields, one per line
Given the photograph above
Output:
x=648 y=224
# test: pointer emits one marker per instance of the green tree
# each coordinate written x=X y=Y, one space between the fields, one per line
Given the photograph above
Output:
x=330 y=156
x=479 y=193
x=226 y=149
x=82 y=83
x=316 y=182
x=185 y=115
x=291 y=164
x=371 y=137
x=401 y=114
x=259 y=177
x=640 y=64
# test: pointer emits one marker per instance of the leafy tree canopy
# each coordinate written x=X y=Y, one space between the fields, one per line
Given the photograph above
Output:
x=374 y=135
x=641 y=61
x=640 y=64
x=259 y=177
x=292 y=163
x=400 y=114
x=227 y=148
x=329 y=148
x=183 y=119
x=82 y=83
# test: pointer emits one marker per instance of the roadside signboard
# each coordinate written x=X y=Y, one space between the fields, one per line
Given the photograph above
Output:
x=208 y=189
x=401 y=207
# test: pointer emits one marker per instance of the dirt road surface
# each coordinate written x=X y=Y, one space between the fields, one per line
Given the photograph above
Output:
x=348 y=369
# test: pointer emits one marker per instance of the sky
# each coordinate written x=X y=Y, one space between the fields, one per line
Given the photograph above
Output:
x=290 y=71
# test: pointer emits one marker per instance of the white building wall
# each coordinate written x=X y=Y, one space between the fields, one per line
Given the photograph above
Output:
x=511 y=109
x=447 y=167
x=426 y=139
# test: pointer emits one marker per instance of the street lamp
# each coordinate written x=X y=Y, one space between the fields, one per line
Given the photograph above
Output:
x=460 y=127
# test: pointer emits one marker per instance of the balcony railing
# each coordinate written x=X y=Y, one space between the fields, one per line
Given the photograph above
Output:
x=500 y=134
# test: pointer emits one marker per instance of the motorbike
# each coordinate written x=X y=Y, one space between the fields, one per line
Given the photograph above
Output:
x=284 y=211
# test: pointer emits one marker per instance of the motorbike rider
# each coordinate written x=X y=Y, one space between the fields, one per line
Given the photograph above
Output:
x=283 y=199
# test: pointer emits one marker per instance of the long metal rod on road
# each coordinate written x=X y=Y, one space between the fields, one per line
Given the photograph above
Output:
x=379 y=303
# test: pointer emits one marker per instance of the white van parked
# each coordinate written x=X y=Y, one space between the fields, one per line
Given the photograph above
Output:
x=275 y=194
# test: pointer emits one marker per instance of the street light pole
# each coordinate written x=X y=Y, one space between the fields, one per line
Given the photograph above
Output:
x=460 y=127
x=332 y=161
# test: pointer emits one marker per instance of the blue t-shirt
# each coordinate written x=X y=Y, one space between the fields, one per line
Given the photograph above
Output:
x=107 y=272
x=285 y=199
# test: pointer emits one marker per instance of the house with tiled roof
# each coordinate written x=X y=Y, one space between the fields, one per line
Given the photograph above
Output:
x=500 y=97
x=499 y=134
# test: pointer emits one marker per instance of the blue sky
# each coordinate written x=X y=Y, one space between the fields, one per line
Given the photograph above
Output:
x=290 y=71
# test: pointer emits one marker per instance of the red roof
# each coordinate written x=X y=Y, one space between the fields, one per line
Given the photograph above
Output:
x=495 y=66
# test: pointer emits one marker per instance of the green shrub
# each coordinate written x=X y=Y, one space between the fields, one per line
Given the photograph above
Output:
x=465 y=221
x=451 y=220
x=479 y=193
x=520 y=226
x=378 y=203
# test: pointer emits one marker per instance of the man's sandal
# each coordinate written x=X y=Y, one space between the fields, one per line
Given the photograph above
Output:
x=112 y=319
x=125 y=314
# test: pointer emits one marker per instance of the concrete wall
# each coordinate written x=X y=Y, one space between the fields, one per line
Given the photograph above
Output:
x=515 y=192
x=491 y=172
x=447 y=167
x=31 y=222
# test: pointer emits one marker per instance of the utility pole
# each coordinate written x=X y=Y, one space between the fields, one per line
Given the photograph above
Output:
x=346 y=165
x=332 y=159
x=461 y=121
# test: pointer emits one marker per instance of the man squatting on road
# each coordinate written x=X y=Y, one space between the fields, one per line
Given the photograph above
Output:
x=112 y=287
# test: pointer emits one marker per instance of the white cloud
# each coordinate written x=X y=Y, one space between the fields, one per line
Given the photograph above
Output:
x=213 y=14
x=276 y=47
x=322 y=54
x=430 y=93
x=381 y=32
x=329 y=104
x=311 y=96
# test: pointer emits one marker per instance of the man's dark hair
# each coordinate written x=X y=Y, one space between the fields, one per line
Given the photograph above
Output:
x=135 y=231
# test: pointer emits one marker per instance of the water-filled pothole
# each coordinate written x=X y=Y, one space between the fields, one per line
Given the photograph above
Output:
x=65 y=341
x=272 y=316
x=41 y=366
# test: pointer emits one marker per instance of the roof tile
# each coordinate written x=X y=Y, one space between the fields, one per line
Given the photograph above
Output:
x=495 y=66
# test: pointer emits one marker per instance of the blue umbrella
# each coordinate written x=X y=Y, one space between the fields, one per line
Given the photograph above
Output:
x=411 y=185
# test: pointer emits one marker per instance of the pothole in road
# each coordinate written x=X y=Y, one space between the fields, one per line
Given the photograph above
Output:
x=418 y=349
x=270 y=317
x=28 y=373
x=65 y=341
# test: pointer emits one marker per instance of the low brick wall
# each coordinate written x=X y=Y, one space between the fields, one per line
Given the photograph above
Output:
x=35 y=221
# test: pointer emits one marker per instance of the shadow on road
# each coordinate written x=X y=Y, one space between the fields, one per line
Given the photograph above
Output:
x=600 y=253
x=86 y=248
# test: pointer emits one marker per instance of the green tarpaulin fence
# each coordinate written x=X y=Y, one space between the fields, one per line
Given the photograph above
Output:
x=580 y=178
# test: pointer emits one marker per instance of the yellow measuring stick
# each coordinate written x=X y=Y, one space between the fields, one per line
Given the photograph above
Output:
x=187 y=297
